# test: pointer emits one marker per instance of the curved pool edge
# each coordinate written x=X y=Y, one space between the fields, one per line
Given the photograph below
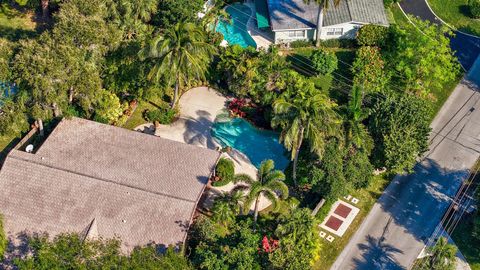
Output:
x=251 y=142
x=246 y=25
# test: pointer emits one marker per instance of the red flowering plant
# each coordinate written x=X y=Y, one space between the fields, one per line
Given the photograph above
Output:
x=236 y=107
x=269 y=245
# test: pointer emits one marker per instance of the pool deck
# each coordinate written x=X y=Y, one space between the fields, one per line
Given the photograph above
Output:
x=262 y=38
x=198 y=109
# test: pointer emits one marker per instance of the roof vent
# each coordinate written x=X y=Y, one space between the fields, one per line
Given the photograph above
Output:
x=29 y=148
x=124 y=221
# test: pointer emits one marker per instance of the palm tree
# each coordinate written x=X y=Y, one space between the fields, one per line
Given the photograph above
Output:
x=323 y=6
x=356 y=134
x=180 y=54
x=305 y=113
x=233 y=199
x=269 y=183
x=223 y=213
x=442 y=256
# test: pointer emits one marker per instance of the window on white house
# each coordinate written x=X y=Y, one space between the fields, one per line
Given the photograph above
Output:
x=334 y=31
x=296 y=33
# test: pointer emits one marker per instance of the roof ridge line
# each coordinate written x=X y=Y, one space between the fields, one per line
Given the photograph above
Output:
x=349 y=11
x=98 y=178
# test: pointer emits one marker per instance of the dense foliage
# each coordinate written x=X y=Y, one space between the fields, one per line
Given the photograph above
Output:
x=422 y=61
x=400 y=127
x=373 y=35
x=70 y=251
x=474 y=6
x=369 y=70
x=298 y=243
x=303 y=112
x=294 y=243
x=259 y=75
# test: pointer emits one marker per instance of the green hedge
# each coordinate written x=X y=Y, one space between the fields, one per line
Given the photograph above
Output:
x=225 y=170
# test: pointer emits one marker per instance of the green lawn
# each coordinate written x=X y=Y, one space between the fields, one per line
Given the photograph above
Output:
x=457 y=14
x=396 y=14
x=14 y=24
x=330 y=251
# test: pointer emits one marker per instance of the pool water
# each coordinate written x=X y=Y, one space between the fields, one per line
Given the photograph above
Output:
x=258 y=145
x=474 y=73
x=235 y=31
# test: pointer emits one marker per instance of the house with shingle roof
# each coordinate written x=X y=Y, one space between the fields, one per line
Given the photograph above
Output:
x=103 y=181
x=291 y=20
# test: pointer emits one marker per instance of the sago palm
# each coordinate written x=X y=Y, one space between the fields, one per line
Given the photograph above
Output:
x=305 y=113
x=269 y=183
x=323 y=6
x=179 y=55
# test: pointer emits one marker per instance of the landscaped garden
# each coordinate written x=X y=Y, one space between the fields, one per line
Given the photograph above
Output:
x=329 y=115
x=464 y=15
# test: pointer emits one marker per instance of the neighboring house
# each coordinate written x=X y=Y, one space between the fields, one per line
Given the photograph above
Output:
x=292 y=20
x=104 y=181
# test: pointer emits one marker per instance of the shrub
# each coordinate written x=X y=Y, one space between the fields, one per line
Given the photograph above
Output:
x=474 y=6
x=164 y=116
x=338 y=43
x=225 y=170
x=324 y=62
x=108 y=108
x=301 y=43
x=372 y=35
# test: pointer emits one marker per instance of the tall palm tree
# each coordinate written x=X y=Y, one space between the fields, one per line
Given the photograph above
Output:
x=323 y=6
x=305 y=113
x=356 y=134
x=180 y=54
x=269 y=183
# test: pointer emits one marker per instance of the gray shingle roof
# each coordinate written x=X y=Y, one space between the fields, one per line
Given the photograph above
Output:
x=138 y=187
x=295 y=14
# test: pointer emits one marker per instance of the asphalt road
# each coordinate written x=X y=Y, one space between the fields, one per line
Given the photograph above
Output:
x=405 y=216
x=401 y=222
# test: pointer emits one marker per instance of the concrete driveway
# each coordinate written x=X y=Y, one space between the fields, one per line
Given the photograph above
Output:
x=466 y=47
x=198 y=109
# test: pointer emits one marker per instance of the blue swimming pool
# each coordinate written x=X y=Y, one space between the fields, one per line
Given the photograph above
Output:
x=235 y=31
x=474 y=73
x=258 y=145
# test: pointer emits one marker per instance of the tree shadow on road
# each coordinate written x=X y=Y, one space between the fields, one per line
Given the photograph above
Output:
x=379 y=255
x=416 y=203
